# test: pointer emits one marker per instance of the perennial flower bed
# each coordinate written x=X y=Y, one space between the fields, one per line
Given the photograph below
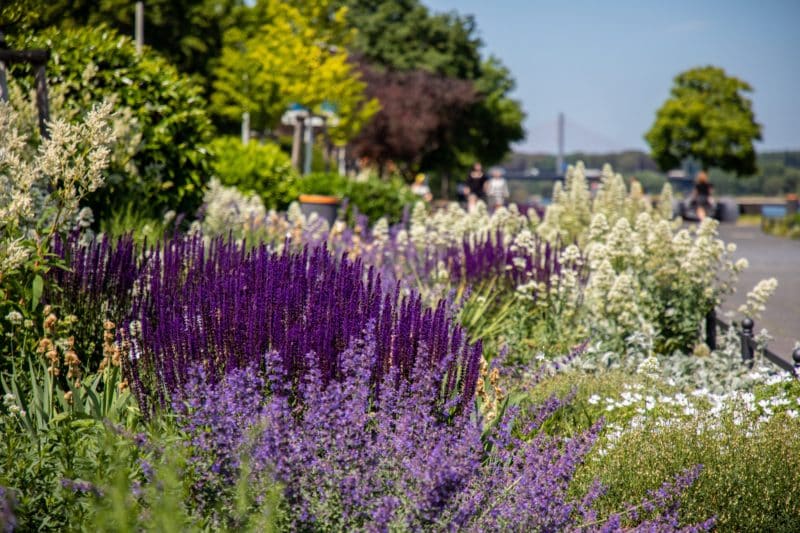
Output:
x=487 y=372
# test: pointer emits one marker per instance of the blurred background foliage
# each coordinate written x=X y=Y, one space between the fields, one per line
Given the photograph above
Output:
x=262 y=168
x=164 y=161
x=229 y=49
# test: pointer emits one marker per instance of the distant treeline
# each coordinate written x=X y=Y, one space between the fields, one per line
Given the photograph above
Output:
x=778 y=172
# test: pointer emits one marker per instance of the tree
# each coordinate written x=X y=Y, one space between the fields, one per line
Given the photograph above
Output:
x=186 y=32
x=709 y=119
x=488 y=126
x=403 y=35
x=297 y=55
x=418 y=112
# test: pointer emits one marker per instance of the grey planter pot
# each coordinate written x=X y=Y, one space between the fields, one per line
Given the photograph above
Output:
x=326 y=207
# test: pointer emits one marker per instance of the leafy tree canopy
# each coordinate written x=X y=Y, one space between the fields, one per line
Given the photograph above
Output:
x=292 y=53
x=418 y=114
x=403 y=35
x=188 y=33
x=709 y=119
x=487 y=127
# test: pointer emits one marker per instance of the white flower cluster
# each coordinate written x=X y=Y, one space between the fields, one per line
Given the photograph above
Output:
x=14 y=318
x=757 y=298
x=639 y=273
x=450 y=226
x=229 y=210
x=40 y=189
x=564 y=296
x=573 y=209
x=10 y=401
x=633 y=409
x=647 y=276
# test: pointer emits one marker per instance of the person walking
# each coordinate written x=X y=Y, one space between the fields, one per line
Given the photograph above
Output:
x=701 y=198
x=476 y=185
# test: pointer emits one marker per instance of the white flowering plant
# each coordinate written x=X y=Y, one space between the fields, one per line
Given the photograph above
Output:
x=651 y=281
x=639 y=284
x=41 y=186
x=747 y=446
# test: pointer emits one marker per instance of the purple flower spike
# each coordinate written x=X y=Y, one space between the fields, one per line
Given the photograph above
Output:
x=223 y=307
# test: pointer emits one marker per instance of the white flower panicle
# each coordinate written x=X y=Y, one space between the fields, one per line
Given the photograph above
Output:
x=757 y=298
x=227 y=209
x=41 y=187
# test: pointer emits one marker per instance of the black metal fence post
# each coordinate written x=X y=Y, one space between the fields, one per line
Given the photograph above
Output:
x=748 y=344
x=711 y=329
x=796 y=359
x=4 y=97
x=38 y=60
x=747 y=341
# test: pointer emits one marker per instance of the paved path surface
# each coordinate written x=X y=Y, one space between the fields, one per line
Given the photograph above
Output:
x=769 y=257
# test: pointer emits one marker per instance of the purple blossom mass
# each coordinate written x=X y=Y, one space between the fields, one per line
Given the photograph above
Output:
x=224 y=307
x=310 y=369
x=349 y=461
x=94 y=273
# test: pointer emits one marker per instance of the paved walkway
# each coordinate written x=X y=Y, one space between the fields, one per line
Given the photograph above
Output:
x=769 y=257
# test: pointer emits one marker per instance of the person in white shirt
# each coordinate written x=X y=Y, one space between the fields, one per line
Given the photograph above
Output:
x=497 y=189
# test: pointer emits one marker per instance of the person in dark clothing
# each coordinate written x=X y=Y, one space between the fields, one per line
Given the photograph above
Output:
x=476 y=184
x=701 y=195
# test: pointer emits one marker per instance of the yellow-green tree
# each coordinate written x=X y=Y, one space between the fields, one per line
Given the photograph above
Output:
x=296 y=54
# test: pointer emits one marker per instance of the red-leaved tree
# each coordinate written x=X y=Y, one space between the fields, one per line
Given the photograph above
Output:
x=419 y=113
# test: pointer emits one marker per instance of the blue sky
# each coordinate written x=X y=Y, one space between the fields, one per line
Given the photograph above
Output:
x=609 y=65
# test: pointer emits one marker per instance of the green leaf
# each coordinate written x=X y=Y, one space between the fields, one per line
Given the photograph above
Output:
x=36 y=291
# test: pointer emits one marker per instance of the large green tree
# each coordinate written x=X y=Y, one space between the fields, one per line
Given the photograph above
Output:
x=404 y=35
x=488 y=127
x=707 y=118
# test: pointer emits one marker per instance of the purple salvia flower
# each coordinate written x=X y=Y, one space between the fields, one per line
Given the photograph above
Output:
x=225 y=306
x=94 y=283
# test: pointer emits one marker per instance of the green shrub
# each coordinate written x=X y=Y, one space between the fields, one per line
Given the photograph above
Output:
x=590 y=403
x=746 y=443
x=261 y=168
x=53 y=434
x=788 y=226
x=751 y=469
x=155 y=492
x=165 y=162
x=374 y=197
